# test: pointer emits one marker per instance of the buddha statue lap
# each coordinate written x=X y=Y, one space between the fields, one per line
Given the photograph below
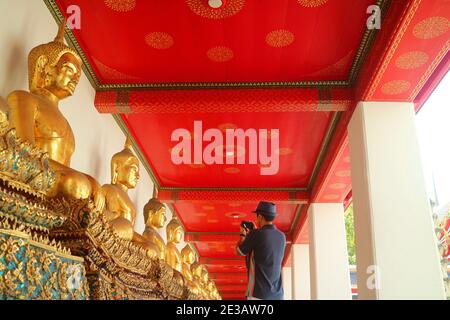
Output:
x=155 y=218
x=119 y=209
x=54 y=72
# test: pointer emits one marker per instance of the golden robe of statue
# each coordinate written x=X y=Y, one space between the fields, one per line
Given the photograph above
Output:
x=120 y=211
x=54 y=72
x=155 y=218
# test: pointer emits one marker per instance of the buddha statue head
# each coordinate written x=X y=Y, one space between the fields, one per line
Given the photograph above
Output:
x=174 y=231
x=155 y=214
x=188 y=254
x=54 y=68
x=125 y=168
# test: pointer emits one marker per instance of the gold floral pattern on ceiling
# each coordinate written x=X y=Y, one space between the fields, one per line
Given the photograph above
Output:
x=285 y=151
x=343 y=173
x=431 y=28
x=280 y=38
x=411 y=60
x=337 y=186
x=197 y=166
x=159 y=40
x=232 y=170
x=331 y=197
x=395 y=87
x=312 y=3
x=228 y=9
x=121 y=5
x=109 y=73
x=220 y=54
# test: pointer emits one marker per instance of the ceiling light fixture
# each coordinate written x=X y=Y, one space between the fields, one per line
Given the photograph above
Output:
x=215 y=4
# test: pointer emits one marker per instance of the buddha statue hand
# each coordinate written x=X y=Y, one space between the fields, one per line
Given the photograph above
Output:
x=98 y=194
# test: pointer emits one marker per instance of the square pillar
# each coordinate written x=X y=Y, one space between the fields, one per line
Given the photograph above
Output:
x=330 y=273
x=300 y=272
x=396 y=249
x=286 y=275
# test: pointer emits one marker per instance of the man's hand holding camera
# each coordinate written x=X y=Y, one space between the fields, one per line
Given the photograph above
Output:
x=245 y=228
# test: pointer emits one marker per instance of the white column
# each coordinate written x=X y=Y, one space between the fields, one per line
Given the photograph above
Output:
x=286 y=275
x=300 y=272
x=330 y=274
x=396 y=251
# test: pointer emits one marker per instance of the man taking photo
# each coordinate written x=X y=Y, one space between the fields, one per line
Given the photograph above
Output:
x=264 y=248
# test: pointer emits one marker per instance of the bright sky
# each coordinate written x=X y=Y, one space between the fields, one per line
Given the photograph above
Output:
x=433 y=126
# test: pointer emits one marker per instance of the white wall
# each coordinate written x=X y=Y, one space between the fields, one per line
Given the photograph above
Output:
x=27 y=23
x=286 y=274
x=328 y=255
x=301 y=275
x=396 y=248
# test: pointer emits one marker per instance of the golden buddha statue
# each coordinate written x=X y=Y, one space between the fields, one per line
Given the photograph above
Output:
x=119 y=210
x=199 y=272
x=155 y=218
x=175 y=233
x=211 y=288
x=54 y=72
x=188 y=257
x=204 y=281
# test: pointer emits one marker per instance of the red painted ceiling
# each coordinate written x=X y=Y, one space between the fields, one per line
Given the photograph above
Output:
x=300 y=136
x=157 y=42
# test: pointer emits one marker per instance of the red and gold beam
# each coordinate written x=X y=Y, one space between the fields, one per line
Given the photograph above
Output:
x=224 y=100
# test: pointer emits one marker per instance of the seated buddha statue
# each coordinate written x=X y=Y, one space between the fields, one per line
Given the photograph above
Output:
x=211 y=292
x=175 y=233
x=119 y=209
x=188 y=257
x=197 y=270
x=54 y=72
x=155 y=218
x=204 y=282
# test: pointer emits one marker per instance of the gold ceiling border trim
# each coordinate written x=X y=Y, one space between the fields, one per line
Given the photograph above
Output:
x=358 y=61
x=366 y=43
x=323 y=148
x=224 y=85
x=298 y=214
x=181 y=189
x=212 y=233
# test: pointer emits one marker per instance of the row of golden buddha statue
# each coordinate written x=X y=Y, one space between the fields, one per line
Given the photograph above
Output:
x=34 y=117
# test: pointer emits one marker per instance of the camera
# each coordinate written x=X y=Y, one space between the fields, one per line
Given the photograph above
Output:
x=247 y=225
